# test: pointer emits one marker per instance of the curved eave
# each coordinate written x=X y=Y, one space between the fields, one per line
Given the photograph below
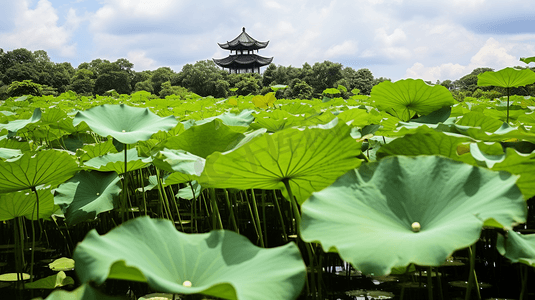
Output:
x=244 y=45
x=243 y=61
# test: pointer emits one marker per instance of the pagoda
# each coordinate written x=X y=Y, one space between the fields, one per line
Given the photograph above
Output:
x=243 y=60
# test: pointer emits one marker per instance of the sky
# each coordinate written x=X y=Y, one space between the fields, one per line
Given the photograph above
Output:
x=431 y=40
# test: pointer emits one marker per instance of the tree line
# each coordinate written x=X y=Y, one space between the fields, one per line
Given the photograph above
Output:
x=25 y=72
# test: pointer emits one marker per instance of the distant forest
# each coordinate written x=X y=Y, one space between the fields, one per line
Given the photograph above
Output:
x=25 y=72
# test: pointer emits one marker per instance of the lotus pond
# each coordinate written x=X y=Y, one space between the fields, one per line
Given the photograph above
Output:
x=403 y=194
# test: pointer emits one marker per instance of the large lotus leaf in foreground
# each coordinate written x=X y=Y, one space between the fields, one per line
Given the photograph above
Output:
x=219 y=263
x=124 y=123
x=50 y=167
x=517 y=247
x=369 y=214
x=309 y=159
x=405 y=98
x=87 y=194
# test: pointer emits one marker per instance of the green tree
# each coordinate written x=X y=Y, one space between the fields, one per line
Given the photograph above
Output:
x=25 y=87
x=82 y=82
x=248 y=84
x=203 y=78
x=324 y=75
x=267 y=77
x=160 y=76
x=144 y=86
x=299 y=89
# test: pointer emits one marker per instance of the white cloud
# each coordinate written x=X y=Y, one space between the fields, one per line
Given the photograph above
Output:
x=343 y=49
x=141 y=61
x=396 y=37
x=492 y=54
x=38 y=29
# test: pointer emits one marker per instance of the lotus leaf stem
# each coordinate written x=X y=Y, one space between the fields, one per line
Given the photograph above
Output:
x=257 y=219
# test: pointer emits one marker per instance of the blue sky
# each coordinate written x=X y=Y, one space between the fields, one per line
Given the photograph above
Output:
x=441 y=39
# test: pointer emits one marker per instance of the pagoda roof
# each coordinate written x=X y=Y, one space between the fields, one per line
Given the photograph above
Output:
x=243 y=61
x=243 y=42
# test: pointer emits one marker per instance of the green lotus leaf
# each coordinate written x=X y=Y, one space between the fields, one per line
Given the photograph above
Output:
x=49 y=167
x=115 y=162
x=90 y=151
x=358 y=117
x=405 y=98
x=17 y=125
x=298 y=108
x=521 y=165
x=187 y=192
x=6 y=142
x=190 y=166
x=277 y=87
x=517 y=247
x=426 y=141
x=22 y=204
x=528 y=60
x=87 y=194
x=481 y=153
x=62 y=264
x=84 y=292
x=331 y=91
x=244 y=118
x=220 y=263
x=194 y=140
x=507 y=78
x=438 y=116
x=124 y=123
x=368 y=215
x=309 y=159
x=7 y=153
x=505 y=132
x=478 y=119
x=264 y=101
x=51 y=282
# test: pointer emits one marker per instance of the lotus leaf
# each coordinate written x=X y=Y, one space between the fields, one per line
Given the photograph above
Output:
x=124 y=123
x=309 y=159
x=51 y=282
x=507 y=78
x=405 y=98
x=7 y=153
x=522 y=165
x=115 y=162
x=219 y=263
x=87 y=194
x=88 y=152
x=517 y=247
x=528 y=60
x=438 y=116
x=278 y=87
x=404 y=210
x=244 y=118
x=193 y=140
x=62 y=264
x=22 y=204
x=84 y=292
x=189 y=166
x=49 y=167
x=264 y=101
x=17 y=125
x=426 y=141
x=478 y=119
